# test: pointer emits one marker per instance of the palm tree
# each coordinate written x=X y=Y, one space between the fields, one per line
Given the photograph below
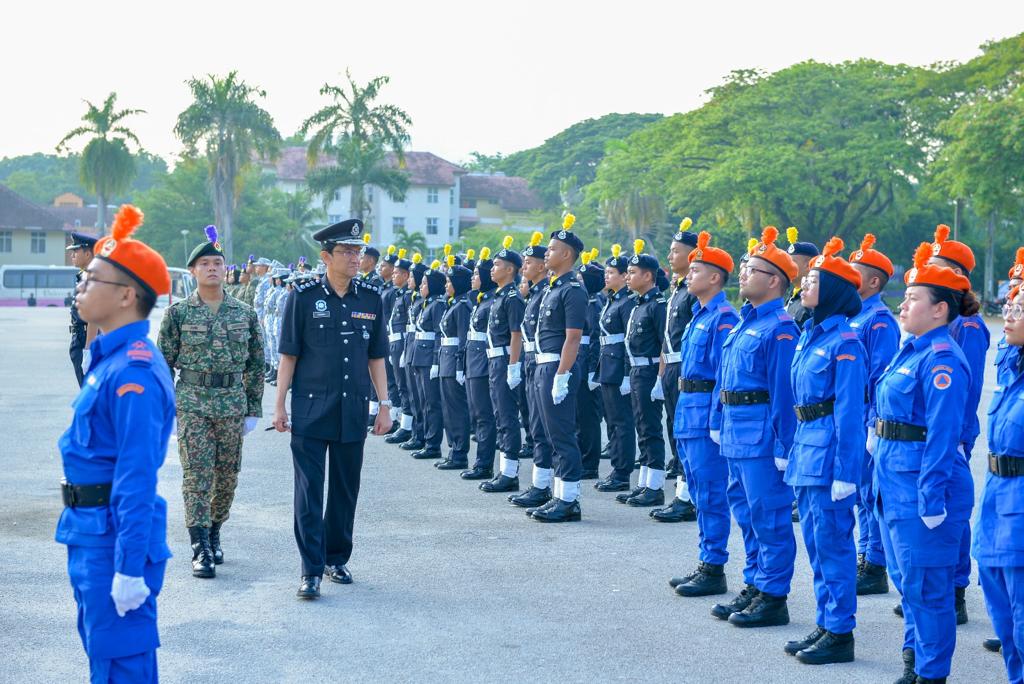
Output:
x=413 y=241
x=304 y=216
x=358 y=133
x=106 y=167
x=233 y=128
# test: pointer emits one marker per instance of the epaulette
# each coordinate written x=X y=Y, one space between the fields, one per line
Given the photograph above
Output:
x=367 y=285
x=725 y=308
x=575 y=283
x=941 y=346
x=848 y=335
x=784 y=316
x=660 y=299
x=301 y=287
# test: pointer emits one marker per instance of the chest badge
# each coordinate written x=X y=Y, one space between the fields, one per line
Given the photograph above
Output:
x=320 y=305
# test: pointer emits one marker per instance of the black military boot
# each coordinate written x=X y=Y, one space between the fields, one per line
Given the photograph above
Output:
x=559 y=511
x=647 y=497
x=677 y=511
x=451 y=464
x=898 y=609
x=994 y=645
x=722 y=611
x=709 y=580
x=625 y=496
x=218 y=553
x=831 y=648
x=872 y=579
x=610 y=484
x=960 y=603
x=681 y=579
x=909 y=676
x=399 y=437
x=412 y=445
x=764 y=611
x=534 y=497
x=794 y=647
x=427 y=454
x=502 y=483
x=477 y=473
x=929 y=680
x=202 y=554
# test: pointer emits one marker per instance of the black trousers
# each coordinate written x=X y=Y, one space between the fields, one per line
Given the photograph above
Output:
x=455 y=410
x=542 y=451
x=481 y=415
x=324 y=536
x=560 y=421
x=75 y=351
x=524 y=408
x=588 y=421
x=506 y=409
x=618 y=413
x=430 y=406
x=399 y=394
x=650 y=431
x=670 y=386
x=415 y=403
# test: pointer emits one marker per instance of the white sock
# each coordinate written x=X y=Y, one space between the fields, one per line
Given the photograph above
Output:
x=642 y=480
x=542 y=477
x=655 y=478
x=374 y=408
x=406 y=422
x=509 y=468
x=556 y=489
x=570 y=491
x=395 y=412
x=682 y=491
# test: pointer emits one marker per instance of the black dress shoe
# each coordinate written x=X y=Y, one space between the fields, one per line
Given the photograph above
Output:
x=709 y=580
x=831 y=648
x=647 y=497
x=338 y=574
x=427 y=454
x=534 y=497
x=898 y=609
x=960 y=603
x=624 y=497
x=412 y=445
x=589 y=475
x=764 y=611
x=794 y=647
x=872 y=579
x=559 y=511
x=502 y=483
x=398 y=437
x=309 y=588
x=722 y=611
x=677 y=511
x=610 y=484
x=449 y=464
x=544 y=506
x=477 y=473
x=994 y=645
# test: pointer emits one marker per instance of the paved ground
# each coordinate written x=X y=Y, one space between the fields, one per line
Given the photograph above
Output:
x=451 y=584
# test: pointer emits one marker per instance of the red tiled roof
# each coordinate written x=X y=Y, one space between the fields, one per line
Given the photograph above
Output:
x=18 y=212
x=81 y=219
x=511 y=192
x=424 y=168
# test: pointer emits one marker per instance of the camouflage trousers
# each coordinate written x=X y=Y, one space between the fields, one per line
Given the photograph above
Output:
x=211 y=456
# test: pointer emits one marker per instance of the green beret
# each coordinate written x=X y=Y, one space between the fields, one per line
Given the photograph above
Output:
x=210 y=248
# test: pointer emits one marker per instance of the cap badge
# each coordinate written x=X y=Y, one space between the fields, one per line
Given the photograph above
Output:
x=108 y=247
x=561 y=235
x=791 y=250
x=355 y=229
x=936 y=248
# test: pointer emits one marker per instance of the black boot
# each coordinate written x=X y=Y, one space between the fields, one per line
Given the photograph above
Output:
x=477 y=473
x=451 y=464
x=218 y=553
x=625 y=496
x=794 y=647
x=764 y=611
x=502 y=483
x=993 y=644
x=929 y=680
x=412 y=445
x=559 y=511
x=709 y=580
x=399 y=437
x=202 y=554
x=677 y=511
x=960 y=603
x=722 y=611
x=610 y=484
x=831 y=648
x=872 y=579
x=681 y=579
x=898 y=609
x=647 y=497
x=427 y=454
x=909 y=676
x=534 y=497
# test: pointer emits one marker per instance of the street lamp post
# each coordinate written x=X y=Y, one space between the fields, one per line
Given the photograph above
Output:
x=184 y=242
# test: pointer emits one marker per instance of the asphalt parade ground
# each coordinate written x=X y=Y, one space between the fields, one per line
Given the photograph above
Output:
x=451 y=584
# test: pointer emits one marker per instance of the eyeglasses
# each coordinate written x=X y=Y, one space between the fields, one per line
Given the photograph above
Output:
x=760 y=270
x=348 y=251
x=88 y=279
x=1013 y=312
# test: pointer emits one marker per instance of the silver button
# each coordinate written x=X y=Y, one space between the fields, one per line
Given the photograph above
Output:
x=321 y=325
x=345 y=341
x=346 y=359
x=346 y=378
x=310 y=396
x=344 y=394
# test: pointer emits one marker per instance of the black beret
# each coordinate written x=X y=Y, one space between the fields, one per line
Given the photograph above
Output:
x=209 y=248
x=372 y=251
x=535 y=251
x=593 y=277
x=804 y=249
x=686 y=237
x=435 y=281
x=569 y=238
x=661 y=280
x=511 y=256
x=645 y=261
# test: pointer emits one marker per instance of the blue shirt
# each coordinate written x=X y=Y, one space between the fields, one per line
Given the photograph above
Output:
x=829 y=365
x=122 y=421
x=700 y=351
x=971 y=333
x=879 y=332
x=612 y=363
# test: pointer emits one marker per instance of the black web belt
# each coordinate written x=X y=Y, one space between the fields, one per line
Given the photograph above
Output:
x=1005 y=466
x=79 y=496
x=692 y=385
x=810 y=412
x=744 y=398
x=900 y=432
x=191 y=377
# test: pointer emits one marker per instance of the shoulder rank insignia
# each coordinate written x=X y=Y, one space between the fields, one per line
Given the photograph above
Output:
x=367 y=285
x=301 y=287
x=940 y=346
x=848 y=335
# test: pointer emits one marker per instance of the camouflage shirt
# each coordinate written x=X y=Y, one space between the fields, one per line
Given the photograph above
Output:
x=230 y=341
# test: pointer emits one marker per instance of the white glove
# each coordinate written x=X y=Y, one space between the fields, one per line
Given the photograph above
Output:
x=249 y=424
x=933 y=521
x=460 y=377
x=86 y=359
x=872 y=442
x=560 y=388
x=401 y=361
x=435 y=370
x=841 y=490
x=716 y=436
x=781 y=463
x=657 y=392
x=514 y=375
x=624 y=387
x=591 y=383
x=128 y=593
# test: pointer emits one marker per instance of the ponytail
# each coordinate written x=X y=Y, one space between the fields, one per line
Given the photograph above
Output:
x=969 y=304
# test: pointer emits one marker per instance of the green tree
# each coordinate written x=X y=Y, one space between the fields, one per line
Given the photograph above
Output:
x=225 y=119
x=41 y=177
x=358 y=166
x=412 y=240
x=303 y=216
x=106 y=166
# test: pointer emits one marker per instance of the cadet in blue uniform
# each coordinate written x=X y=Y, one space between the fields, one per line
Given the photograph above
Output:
x=713 y=317
x=333 y=343
x=757 y=428
x=114 y=523
x=802 y=253
x=418 y=270
x=613 y=374
x=829 y=382
x=397 y=323
x=425 y=358
x=645 y=330
x=588 y=404
x=478 y=393
x=504 y=347
x=454 y=329
x=81 y=337
x=998 y=536
x=879 y=333
x=680 y=311
x=559 y=372
x=971 y=334
x=923 y=489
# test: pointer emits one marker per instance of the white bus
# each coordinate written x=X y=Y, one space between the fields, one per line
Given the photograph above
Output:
x=55 y=285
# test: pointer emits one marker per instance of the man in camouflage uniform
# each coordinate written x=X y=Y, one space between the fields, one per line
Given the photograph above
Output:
x=261 y=289
x=215 y=343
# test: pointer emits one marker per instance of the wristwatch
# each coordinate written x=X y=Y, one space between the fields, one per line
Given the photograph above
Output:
x=385 y=402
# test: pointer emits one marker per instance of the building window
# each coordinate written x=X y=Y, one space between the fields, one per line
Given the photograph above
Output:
x=451 y=195
x=451 y=227
x=467 y=203
x=431 y=195
x=397 y=223
x=333 y=218
x=38 y=243
x=337 y=195
x=431 y=226
x=369 y=193
x=5 y=240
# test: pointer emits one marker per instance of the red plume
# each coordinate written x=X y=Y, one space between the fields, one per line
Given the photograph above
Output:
x=941 y=233
x=833 y=246
x=1020 y=256
x=868 y=242
x=922 y=255
x=703 y=239
x=769 y=235
x=127 y=220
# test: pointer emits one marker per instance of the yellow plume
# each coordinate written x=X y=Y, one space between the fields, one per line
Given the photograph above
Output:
x=451 y=260
x=485 y=253
x=792 y=234
x=536 y=238
x=435 y=264
x=470 y=253
x=568 y=221
x=638 y=246
x=391 y=249
x=417 y=258
x=366 y=238
x=402 y=252
x=447 y=250
x=616 y=251
x=751 y=244
x=507 y=242
x=586 y=257
x=593 y=254
x=685 y=223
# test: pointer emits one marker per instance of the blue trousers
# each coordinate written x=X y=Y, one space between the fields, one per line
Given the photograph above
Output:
x=506 y=409
x=542 y=451
x=762 y=502
x=1004 y=599
x=649 y=415
x=560 y=421
x=621 y=431
x=707 y=476
x=921 y=564
x=481 y=415
x=429 y=391
x=414 y=403
x=827 y=528
x=869 y=537
x=962 y=575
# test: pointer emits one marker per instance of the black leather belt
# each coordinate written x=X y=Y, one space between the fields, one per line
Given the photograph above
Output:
x=693 y=385
x=191 y=377
x=1005 y=466
x=900 y=432
x=810 y=412
x=79 y=496
x=744 y=398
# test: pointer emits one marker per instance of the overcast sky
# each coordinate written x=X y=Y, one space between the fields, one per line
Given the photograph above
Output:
x=492 y=77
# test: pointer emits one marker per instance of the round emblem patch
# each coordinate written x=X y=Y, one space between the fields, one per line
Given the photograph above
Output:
x=936 y=248
x=635 y=260
x=942 y=381
x=561 y=235
x=1018 y=270
x=216 y=246
x=698 y=254
x=792 y=249
x=763 y=248
x=819 y=261
x=320 y=305
x=858 y=255
x=108 y=247
x=355 y=230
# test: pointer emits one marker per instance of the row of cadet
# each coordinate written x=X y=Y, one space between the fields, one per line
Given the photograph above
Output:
x=805 y=404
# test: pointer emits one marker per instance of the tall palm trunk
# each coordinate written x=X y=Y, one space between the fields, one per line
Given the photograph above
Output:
x=357 y=202
x=101 y=210
x=224 y=208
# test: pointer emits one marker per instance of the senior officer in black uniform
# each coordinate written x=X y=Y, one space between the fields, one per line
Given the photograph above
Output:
x=81 y=249
x=333 y=344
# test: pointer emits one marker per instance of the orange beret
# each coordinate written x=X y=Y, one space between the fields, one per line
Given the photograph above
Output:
x=871 y=257
x=143 y=263
x=924 y=273
x=1017 y=270
x=766 y=249
x=710 y=255
x=836 y=265
x=954 y=251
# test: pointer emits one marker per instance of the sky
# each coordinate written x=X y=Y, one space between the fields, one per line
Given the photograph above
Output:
x=474 y=76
